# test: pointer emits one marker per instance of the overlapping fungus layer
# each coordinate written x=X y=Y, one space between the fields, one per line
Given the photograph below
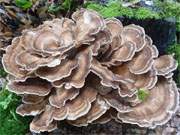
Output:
x=89 y=70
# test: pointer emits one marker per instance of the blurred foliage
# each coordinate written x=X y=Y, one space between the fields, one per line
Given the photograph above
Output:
x=54 y=8
x=110 y=10
x=23 y=14
x=175 y=49
x=57 y=6
x=143 y=13
x=170 y=9
x=178 y=25
x=2 y=72
x=142 y=94
x=10 y=122
x=115 y=8
x=24 y=4
x=64 y=6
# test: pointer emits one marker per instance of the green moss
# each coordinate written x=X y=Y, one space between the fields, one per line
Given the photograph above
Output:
x=53 y=8
x=170 y=9
x=116 y=9
x=24 y=4
x=56 y=7
x=10 y=122
x=144 y=13
x=175 y=49
x=94 y=6
x=142 y=94
x=113 y=9
x=62 y=6
x=2 y=73
x=178 y=26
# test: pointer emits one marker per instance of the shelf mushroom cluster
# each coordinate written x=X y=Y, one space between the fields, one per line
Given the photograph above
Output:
x=89 y=70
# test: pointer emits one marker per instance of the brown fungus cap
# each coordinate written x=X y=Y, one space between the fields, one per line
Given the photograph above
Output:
x=32 y=99
x=35 y=86
x=89 y=70
x=106 y=117
x=165 y=64
x=99 y=107
x=134 y=34
x=44 y=122
x=9 y=61
x=61 y=95
x=157 y=109
x=31 y=109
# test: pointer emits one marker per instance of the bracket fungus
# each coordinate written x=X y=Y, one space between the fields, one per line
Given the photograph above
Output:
x=88 y=70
